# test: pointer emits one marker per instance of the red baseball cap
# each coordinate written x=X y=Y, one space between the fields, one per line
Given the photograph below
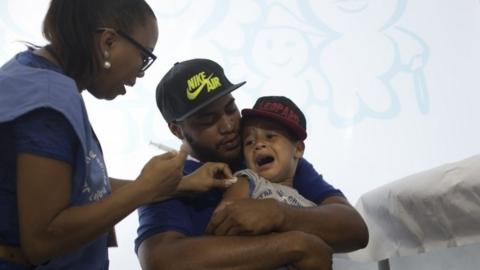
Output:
x=282 y=110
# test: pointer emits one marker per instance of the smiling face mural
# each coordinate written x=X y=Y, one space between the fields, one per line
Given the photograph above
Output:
x=280 y=51
x=340 y=54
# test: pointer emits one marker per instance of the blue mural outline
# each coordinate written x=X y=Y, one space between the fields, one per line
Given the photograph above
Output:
x=418 y=76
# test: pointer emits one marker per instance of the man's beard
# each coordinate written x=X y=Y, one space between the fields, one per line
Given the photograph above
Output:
x=204 y=154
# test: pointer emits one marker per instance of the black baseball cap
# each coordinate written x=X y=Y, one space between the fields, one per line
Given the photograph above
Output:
x=190 y=86
x=281 y=110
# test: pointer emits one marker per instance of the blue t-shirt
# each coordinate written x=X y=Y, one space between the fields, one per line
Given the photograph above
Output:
x=42 y=113
x=42 y=132
x=190 y=216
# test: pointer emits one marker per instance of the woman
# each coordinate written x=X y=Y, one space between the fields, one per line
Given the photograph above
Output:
x=57 y=203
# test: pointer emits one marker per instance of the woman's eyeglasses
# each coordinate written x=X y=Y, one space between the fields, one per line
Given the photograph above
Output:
x=147 y=56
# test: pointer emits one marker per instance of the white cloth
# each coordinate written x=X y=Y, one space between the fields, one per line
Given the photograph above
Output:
x=438 y=208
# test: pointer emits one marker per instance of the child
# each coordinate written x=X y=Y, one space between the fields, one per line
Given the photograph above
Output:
x=273 y=132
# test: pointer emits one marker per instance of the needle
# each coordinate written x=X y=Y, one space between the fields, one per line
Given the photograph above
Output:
x=163 y=147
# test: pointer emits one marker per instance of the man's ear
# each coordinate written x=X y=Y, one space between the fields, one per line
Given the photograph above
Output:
x=299 y=149
x=176 y=130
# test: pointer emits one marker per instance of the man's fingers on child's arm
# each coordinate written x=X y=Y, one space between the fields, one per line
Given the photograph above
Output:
x=217 y=218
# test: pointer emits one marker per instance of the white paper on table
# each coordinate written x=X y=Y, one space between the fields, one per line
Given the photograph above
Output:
x=434 y=209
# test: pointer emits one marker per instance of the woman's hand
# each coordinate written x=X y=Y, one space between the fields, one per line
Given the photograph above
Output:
x=161 y=175
x=209 y=175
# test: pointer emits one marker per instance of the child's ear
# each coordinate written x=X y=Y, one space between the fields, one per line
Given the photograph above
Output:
x=176 y=130
x=299 y=149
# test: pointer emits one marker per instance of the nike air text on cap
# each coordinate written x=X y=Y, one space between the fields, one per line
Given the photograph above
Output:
x=281 y=110
x=190 y=86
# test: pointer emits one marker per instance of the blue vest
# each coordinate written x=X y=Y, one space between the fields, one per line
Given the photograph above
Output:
x=23 y=89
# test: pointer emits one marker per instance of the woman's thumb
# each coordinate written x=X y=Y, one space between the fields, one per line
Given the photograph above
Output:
x=182 y=153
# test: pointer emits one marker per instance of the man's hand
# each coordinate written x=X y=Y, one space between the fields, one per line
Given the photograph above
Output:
x=317 y=256
x=247 y=217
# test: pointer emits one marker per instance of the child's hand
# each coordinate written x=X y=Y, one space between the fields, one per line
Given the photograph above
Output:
x=210 y=175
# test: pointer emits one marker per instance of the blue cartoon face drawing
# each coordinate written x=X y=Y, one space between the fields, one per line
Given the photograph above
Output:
x=280 y=50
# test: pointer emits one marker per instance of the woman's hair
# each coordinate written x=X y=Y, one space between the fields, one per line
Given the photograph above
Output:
x=70 y=27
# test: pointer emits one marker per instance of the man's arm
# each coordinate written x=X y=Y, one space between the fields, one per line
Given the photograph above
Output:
x=334 y=221
x=173 y=250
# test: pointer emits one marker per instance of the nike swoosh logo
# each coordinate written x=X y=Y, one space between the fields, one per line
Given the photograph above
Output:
x=192 y=94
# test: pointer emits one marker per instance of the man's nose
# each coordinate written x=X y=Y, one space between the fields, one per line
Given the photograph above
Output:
x=227 y=124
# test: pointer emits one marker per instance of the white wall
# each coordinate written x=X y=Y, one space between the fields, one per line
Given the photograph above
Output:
x=388 y=86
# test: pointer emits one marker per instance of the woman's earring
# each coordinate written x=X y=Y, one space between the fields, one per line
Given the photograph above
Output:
x=106 y=64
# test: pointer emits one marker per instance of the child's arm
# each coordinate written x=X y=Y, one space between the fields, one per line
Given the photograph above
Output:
x=239 y=190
